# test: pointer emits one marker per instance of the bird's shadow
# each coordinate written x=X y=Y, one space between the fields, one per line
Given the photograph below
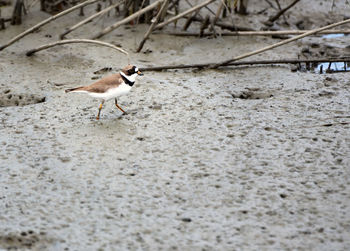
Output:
x=113 y=117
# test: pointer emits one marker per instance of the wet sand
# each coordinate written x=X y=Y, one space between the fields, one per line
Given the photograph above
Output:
x=251 y=158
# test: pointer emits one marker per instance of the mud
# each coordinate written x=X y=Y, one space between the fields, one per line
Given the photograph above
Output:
x=248 y=158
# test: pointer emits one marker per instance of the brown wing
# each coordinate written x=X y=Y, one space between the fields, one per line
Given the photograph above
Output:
x=102 y=85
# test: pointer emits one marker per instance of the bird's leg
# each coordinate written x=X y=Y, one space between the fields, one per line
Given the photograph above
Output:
x=99 y=110
x=116 y=104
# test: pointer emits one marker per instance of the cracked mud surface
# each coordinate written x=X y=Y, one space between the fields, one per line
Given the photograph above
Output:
x=251 y=158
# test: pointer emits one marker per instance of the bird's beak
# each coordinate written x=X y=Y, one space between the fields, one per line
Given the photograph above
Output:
x=139 y=73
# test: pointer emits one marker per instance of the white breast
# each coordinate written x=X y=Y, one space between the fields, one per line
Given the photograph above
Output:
x=112 y=93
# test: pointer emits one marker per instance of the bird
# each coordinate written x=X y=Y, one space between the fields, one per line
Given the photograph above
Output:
x=112 y=86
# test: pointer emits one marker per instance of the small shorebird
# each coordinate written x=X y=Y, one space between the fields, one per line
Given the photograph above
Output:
x=112 y=86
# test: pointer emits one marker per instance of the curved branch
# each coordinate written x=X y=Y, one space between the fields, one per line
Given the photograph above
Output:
x=70 y=41
x=37 y=26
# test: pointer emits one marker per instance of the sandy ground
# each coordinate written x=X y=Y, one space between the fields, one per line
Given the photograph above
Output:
x=251 y=158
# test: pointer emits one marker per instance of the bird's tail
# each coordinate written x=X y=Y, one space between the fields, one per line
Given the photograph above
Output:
x=73 y=89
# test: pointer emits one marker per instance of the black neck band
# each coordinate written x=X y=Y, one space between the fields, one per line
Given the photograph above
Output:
x=127 y=81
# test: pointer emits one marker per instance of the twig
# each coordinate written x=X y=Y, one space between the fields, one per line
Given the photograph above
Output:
x=173 y=4
x=90 y=18
x=245 y=55
x=189 y=3
x=81 y=12
x=17 y=13
x=254 y=62
x=150 y=29
x=190 y=20
x=212 y=28
x=256 y=33
x=37 y=26
x=218 y=12
x=333 y=4
x=275 y=17
x=279 y=7
x=127 y=19
x=70 y=41
x=2 y=23
x=271 y=5
x=34 y=2
x=204 y=25
x=242 y=9
x=214 y=20
x=173 y=19
x=138 y=18
x=164 y=12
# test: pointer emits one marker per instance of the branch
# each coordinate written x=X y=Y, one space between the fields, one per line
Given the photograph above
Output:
x=254 y=62
x=36 y=27
x=127 y=19
x=70 y=41
x=190 y=20
x=256 y=33
x=173 y=19
x=152 y=26
x=280 y=13
x=279 y=7
x=280 y=43
x=89 y=19
x=225 y=25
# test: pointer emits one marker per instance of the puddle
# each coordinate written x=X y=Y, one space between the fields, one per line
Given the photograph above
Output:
x=333 y=35
x=332 y=67
x=322 y=68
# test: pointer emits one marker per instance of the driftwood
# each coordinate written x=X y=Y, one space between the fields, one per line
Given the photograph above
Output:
x=245 y=55
x=256 y=33
x=36 y=27
x=165 y=3
x=189 y=11
x=74 y=27
x=254 y=62
x=70 y=41
x=127 y=19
